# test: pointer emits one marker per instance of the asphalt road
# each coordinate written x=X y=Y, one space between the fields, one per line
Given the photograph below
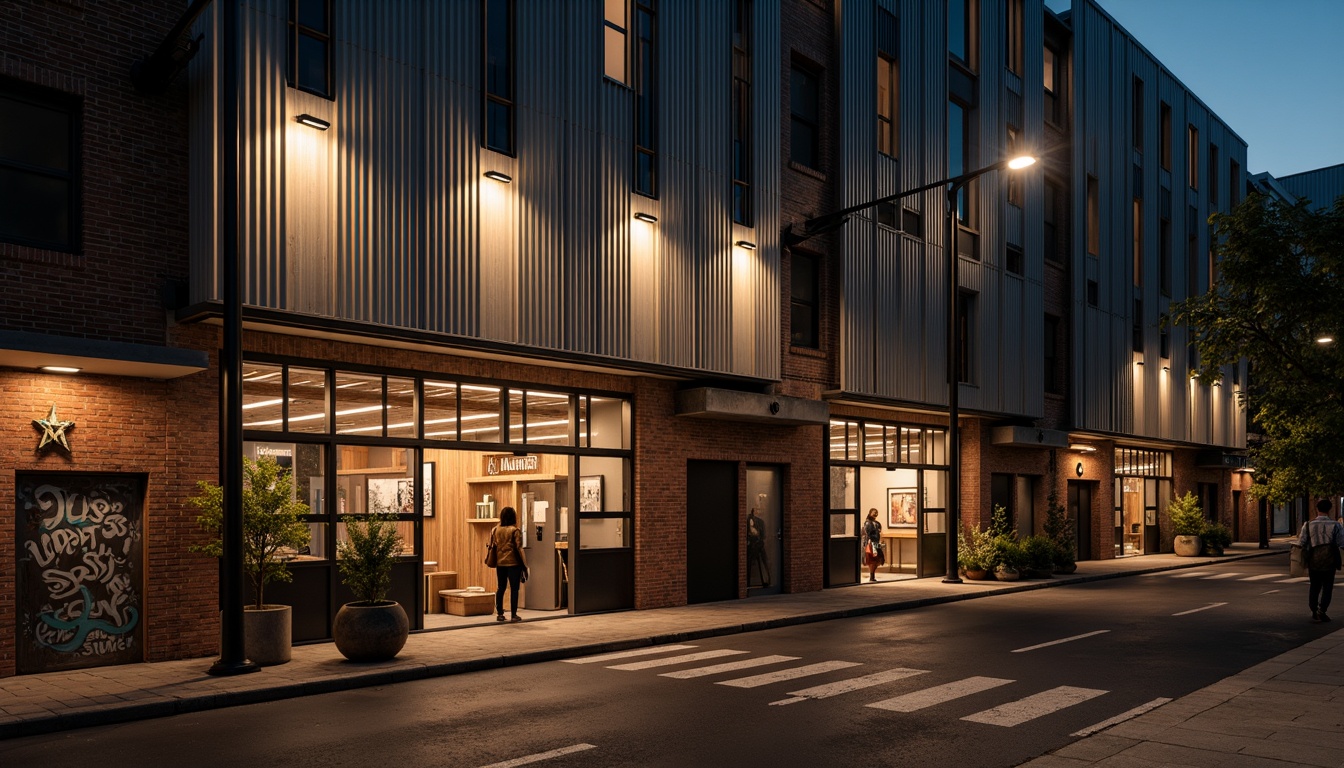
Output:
x=985 y=682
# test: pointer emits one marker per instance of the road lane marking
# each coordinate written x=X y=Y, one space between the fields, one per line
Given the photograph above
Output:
x=1294 y=580
x=1272 y=592
x=670 y=660
x=1065 y=640
x=1034 y=706
x=561 y=752
x=938 y=694
x=627 y=654
x=1221 y=576
x=1260 y=577
x=1197 y=610
x=1188 y=574
x=1122 y=717
x=848 y=686
x=756 y=681
x=732 y=666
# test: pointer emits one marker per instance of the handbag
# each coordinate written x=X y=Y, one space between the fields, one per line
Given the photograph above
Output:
x=491 y=552
x=868 y=549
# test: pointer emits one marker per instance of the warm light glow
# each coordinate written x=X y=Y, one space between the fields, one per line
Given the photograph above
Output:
x=313 y=122
x=499 y=176
x=60 y=369
x=1082 y=448
x=1325 y=340
x=750 y=246
x=1021 y=162
x=649 y=217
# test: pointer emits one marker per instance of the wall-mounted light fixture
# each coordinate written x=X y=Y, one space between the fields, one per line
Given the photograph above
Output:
x=649 y=217
x=1138 y=362
x=750 y=246
x=499 y=176
x=60 y=369
x=1082 y=447
x=1166 y=369
x=313 y=122
x=1217 y=383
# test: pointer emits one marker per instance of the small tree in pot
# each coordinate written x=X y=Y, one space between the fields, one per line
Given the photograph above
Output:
x=273 y=529
x=1187 y=522
x=372 y=628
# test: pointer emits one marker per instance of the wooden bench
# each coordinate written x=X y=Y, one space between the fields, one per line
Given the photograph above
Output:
x=460 y=602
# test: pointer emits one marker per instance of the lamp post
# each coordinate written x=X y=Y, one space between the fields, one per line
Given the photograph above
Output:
x=833 y=221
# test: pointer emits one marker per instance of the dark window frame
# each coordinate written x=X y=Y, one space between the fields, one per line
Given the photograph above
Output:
x=1051 y=85
x=1050 y=353
x=71 y=176
x=1165 y=138
x=967 y=311
x=644 y=81
x=296 y=33
x=810 y=75
x=1015 y=43
x=809 y=304
x=504 y=101
x=1136 y=108
x=743 y=212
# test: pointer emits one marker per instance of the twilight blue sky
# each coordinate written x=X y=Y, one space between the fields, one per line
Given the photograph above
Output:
x=1273 y=70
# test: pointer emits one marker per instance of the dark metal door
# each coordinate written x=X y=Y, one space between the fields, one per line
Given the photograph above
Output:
x=1080 y=510
x=711 y=531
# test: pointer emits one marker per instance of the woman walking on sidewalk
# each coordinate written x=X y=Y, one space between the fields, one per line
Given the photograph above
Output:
x=873 y=555
x=1321 y=540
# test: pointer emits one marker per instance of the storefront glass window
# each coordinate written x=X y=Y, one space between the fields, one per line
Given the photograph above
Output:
x=873 y=443
x=440 y=409
x=306 y=464
x=263 y=397
x=911 y=450
x=935 y=446
x=842 y=487
x=548 y=418
x=480 y=413
x=359 y=404
x=838 y=440
x=606 y=423
x=307 y=400
x=935 y=489
x=401 y=407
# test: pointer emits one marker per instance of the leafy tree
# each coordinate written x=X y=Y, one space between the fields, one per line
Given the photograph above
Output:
x=1278 y=289
x=366 y=560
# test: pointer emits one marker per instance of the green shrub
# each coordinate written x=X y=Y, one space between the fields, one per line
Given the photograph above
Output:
x=1008 y=552
x=1187 y=519
x=976 y=551
x=1217 y=536
x=1038 y=552
x=365 y=561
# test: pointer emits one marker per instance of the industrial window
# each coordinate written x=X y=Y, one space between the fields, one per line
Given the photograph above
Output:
x=959 y=157
x=912 y=222
x=1213 y=174
x=1192 y=252
x=310 y=46
x=888 y=84
x=615 y=24
x=1052 y=380
x=805 y=105
x=1138 y=243
x=1234 y=184
x=1052 y=218
x=1093 y=217
x=1014 y=179
x=1192 y=152
x=39 y=167
x=961 y=37
x=499 y=72
x=1137 y=110
x=1164 y=256
x=1013 y=259
x=966 y=314
x=1013 y=45
x=646 y=101
x=1137 y=326
x=1093 y=293
x=742 y=155
x=1165 y=138
x=805 y=303
x=886 y=215
x=1052 y=83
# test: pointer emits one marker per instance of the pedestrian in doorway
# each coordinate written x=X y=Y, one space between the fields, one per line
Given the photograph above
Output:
x=511 y=566
x=873 y=555
x=1321 y=540
x=758 y=562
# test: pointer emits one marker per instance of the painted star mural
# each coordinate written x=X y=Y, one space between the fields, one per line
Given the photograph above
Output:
x=53 y=430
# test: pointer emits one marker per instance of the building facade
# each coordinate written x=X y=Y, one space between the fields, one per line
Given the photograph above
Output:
x=546 y=255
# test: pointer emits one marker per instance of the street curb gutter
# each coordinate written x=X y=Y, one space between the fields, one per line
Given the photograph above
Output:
x=129 y=712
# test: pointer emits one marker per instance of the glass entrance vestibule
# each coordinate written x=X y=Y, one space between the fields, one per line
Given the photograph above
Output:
x=900 y=470
x=1142 y=491
x=445 y=456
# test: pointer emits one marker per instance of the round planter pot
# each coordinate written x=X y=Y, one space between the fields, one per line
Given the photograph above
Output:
x=1187 y=546
x=371 y=632
x=266 y=634
x=1006 y=574
x=976 y=574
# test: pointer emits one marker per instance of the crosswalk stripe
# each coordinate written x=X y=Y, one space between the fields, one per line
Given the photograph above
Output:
x=756 y=681
x=1259 y=577
x=732 y=666
x=1294 y=580
x=1034 y=706
x=1188 y=574
x=627 y=654
x=670 y=660
x=1221 y=576
x=938 y=694
x=848 y=686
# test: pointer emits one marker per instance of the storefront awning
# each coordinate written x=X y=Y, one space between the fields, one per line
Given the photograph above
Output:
x=1029 y=437
x=732 y=405
x=22 y=349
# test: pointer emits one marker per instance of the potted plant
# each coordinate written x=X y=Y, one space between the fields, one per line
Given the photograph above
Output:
x=1038 y=554
x=975 y=553
x=372 y=628
x=273 y=530
x=1187 y=522
x=1059 y=530
x=1217 y=537
x=1008 y=557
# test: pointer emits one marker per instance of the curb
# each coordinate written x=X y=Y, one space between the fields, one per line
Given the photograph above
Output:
x=115 y=714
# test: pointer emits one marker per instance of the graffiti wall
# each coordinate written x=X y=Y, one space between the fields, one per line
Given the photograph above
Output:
x=81 y=570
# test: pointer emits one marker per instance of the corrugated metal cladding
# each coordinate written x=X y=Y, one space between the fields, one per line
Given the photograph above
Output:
x=1321 y=186
x=1118 y=388
x=895 y=286
x=386 y=218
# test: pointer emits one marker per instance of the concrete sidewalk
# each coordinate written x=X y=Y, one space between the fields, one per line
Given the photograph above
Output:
x=34 y=704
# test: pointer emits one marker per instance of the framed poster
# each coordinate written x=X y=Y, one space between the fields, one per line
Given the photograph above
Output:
x=383 y=496
x=590 y=493
x=901 y=507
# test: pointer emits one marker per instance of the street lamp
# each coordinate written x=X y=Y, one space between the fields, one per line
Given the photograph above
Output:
x=832 y=221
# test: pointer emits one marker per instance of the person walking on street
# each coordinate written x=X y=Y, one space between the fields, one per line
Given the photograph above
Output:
x=1321 y=540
